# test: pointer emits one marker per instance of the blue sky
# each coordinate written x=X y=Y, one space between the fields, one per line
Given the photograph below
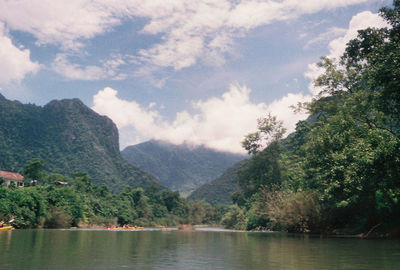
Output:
x=199 y=72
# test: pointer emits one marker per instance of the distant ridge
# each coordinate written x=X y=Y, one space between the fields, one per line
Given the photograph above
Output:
x=180 y=167
x=219 y=190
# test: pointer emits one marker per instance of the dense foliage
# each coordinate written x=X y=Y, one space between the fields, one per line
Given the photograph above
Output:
x=339 y=172
x=180 y=167
x=82 y=203
x=69 y=137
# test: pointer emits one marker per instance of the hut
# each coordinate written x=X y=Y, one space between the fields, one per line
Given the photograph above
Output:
x=10 y=177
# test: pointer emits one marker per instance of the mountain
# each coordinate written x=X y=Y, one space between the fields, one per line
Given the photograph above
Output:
x=69 y=137
x=180 y=167
x=219 y=190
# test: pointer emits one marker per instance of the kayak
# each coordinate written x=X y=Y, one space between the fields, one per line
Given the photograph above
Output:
x=133 y=228
x=6 y=228
x=124 y=228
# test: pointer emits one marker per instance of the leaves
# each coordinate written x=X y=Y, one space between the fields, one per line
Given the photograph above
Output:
x=269 y=130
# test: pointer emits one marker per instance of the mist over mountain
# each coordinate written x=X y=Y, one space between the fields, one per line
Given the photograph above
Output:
x=180 y=167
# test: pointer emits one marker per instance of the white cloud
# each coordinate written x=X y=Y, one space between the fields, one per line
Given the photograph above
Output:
x=312 y=73
x=125 y=113
x=282 y=108
x=219 y=122
x=15 y=62
x=337 y=46
x=108 y=69
x=177 y=53
x=190 y=31
x=204 y=30
x=64 y=23
x=326 y=37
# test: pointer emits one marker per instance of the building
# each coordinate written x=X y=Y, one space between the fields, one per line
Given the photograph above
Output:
x=60 y=183
x=10 y=177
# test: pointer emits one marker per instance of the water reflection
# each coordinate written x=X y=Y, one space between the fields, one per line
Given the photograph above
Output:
x=57 y=249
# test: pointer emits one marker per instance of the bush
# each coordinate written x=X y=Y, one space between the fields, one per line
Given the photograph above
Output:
x=235 y=218
x=256 y=222
x=292 y=211
x=59 y=218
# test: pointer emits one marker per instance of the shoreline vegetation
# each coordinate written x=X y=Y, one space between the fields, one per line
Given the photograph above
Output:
x=80 y=203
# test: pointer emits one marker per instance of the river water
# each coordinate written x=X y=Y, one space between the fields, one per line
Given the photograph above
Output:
x=206 y=249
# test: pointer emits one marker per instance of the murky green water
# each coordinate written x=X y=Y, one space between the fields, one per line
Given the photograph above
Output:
x=58 y=249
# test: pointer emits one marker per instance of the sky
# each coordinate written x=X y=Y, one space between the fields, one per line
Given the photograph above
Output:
x=197 y=72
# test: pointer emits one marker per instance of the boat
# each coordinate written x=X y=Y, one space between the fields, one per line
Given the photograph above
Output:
x=6 y=228
x=133 y=228
x=186 y=227
x=124 y=228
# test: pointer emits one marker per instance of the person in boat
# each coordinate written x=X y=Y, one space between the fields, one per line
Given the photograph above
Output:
x=1 y=224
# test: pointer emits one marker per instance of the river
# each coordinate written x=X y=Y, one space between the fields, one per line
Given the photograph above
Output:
x=206 y=249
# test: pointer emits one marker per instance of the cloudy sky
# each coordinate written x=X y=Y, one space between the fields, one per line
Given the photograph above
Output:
x=199 y=72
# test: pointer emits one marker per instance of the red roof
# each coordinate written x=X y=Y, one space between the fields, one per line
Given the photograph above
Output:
x=11 y=176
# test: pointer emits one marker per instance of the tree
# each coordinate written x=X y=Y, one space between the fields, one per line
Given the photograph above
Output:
x=83 y=181
x=235 y=218
x=352 y=153
x=269 y=130
x=262 y=170
x=171 y=199
x=34 y=169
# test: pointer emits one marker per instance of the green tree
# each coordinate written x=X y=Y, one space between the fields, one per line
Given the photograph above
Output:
x=83 y=181
x=269 y=130
x=34 y=169
x=235 y=218
x=352 y=153
x=171 y=199
x=263 y=169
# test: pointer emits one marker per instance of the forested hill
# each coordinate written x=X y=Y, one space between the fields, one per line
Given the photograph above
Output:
x=219 y=190
x=339 y=171
x=69 y=137
x=180 y=167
